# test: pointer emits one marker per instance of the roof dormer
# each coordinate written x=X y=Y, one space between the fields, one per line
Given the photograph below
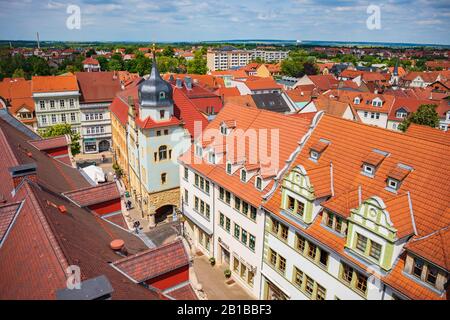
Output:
x=317 y=149
x=396 y=176
x=377 y=102
x=372 y=161
x=226 y=126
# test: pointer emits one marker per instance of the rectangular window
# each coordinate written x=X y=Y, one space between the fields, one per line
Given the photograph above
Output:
x=253 y=212
x=235 y=264
x=300 y=208
x=158 y=133
x=323 y=257
x=431 y=275
x=228 y=197
x=63 y=118
x=251 y=242
x=361 y=282
x=361 y=243
x=196 y=179
x=163 y=178
x=291 y=203
x=53 y=118
x=312 y=250
x=237 y=231
x=42 y=105
x=228 y=225
x=196 y=204
x=244 y=237
x=207 y=187
x=275 y=226
x=186 y=196
x=73 y=117
x=43 y=119
x=284 y=232
x=186 y=173
x=52 y=104
x=375 y=250
x=272 y=257
x=237 y=203
x=282 y=264
x=61 y=103
x=244 y=208
x=301 y=243
x=347 y=273
x=309 y=286
x=221 y=193
x=298 y=277
x=418 y=268
x=208 y=211
x=71 y=102
x=321 y=292
x=243 y=270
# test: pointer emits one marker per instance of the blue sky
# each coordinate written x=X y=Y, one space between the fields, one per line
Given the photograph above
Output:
x=417 y=21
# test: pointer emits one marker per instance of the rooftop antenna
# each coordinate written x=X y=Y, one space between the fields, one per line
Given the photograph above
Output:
x=38 y=44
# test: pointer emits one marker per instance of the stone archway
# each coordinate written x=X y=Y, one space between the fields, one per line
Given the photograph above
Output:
x=164 y=213
x=161 y=203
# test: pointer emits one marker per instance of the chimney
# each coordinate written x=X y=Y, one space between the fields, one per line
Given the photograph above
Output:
x=188 y=82
x=118 y=246
x=179 y=84
x=21 y=172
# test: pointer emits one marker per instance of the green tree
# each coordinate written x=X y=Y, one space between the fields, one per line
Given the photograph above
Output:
x=19 y=73
x=198 y=64
x=168 y=51
x=425 y=115
x=298 y=64
x=103 y=63
x=60 y=130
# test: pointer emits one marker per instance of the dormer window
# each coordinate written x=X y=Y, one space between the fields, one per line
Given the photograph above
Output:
x=377 y=103
x=229 y=167
x=401 y=114
x=368 y=169
x=314 y=155
x=224 y=130
x=212 y=157
x=243 y=175
x=258 y=183
x=162 y=95
x=162 y=114
x=199 y=151
x=392 y=184
x=357 y=101
x=318 y=148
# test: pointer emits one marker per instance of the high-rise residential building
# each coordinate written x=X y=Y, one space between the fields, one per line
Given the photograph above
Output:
x=229 y=57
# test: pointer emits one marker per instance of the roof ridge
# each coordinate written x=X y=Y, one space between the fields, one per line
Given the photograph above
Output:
x=87 y=188
x=430 y=234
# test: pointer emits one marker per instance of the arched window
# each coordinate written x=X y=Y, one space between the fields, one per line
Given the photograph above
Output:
x=162 y=95
x=162 y=153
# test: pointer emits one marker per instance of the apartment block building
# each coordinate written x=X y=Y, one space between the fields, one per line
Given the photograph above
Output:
x=98 y=90
x=221 y=191
x=57 y=101
x=229 y=57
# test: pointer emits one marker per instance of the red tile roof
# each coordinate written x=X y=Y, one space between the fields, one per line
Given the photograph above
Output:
x=152 y=263
x=7 y=214
x=98 y=86
x=91 y=60
x=93 y=195
x=246 y=119
x=54 y=84
x=428 y=133
x=50 y=143
x=185 y=292
x=434 y=247
x=262 y=84
x=119 y=109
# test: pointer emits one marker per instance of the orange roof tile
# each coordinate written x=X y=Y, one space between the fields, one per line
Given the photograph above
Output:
x=54 y=84
x=428 y=133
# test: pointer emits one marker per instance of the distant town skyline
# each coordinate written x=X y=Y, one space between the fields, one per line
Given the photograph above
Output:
x=401 y=21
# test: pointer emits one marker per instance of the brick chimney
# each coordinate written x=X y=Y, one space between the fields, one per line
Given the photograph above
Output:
x=23 y=171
